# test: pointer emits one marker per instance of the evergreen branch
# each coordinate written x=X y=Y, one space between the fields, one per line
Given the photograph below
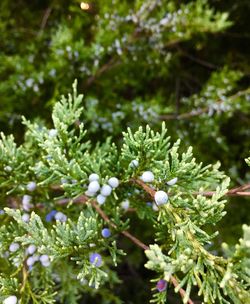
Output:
x=200 y=111
x=222 y=267
x=137 y=242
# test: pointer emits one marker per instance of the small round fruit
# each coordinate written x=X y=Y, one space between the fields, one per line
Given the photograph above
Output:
x=161 y=197
x=93 y=177
x=106 y=190
x=101 y=199
x=147 y=177
x=161 y=285
x=31 y=186
x=106 y=233
x=10 y=300
x=95 y=259
x=93 y=187
x=113 y=182
x=172 y=181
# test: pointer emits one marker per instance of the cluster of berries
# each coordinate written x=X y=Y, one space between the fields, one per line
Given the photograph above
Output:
x=95 y=258
x=44 y=258
x=56 y=215
x=26 y=201
x=94 y=187
x=160 y=197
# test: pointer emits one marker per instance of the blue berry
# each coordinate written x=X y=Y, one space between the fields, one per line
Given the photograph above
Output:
x=161 y=285
x=106 y=232
x=95 y=259
x=49 y=217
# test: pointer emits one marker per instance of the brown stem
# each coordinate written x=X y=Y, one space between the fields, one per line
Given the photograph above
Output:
x=126 y=233
x=238 y=191
x=200 y=111
x=136 y=241
x=107 y=66
x=45 y=18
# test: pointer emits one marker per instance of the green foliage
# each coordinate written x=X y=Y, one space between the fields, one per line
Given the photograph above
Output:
x=179 y=228
x=138 y=64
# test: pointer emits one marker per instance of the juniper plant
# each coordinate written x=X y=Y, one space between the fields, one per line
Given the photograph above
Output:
x=67 y=245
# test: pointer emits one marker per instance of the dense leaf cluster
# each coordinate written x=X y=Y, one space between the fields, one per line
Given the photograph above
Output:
x=56 y=176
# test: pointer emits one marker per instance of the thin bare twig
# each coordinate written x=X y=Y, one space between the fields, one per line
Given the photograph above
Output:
x=107 y=66
x=198 y=60
x=238 y=191
x=45 y=18
x=200 y=111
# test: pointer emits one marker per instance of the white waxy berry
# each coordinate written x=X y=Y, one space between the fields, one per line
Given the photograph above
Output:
x=125 y=204
x=134 y=163
x=10 y=300
x=106 y=190
x=161 y=197
x=46 y=264
x=8 y=168
x=93 y=187
x=30 y=261
x=16 y=262
x=44 y=259
x=26 y=202
x=26 y=217
x=147 y=177
x=172 y=181
x=14 y=247
x=100 y=199
x=52 y=133
x=113 y=182
x=59 y=216
x=31 y=186
x=31 y=249
x=90 y=194
x=93 y=177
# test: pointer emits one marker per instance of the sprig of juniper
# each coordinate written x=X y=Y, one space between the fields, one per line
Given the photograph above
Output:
x=149 y=169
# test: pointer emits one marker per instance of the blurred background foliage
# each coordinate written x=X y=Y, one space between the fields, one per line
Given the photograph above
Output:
x=137 y=62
